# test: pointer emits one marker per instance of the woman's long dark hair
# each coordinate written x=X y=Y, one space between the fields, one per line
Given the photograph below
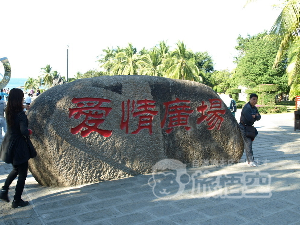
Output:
x=14 y=105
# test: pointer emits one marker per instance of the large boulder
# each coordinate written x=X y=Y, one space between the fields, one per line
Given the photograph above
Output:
x=111 y=127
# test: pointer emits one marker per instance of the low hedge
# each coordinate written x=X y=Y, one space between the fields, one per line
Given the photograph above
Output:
x=240 y=104
x=292 y=103
x=265 y=109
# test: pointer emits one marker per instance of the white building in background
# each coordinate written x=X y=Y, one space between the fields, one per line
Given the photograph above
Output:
x=243 y=95
x=225 y=98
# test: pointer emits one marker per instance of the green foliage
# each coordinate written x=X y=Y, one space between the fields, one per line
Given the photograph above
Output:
x=234 y=91
x=240 y=104
x=255 y=62
x=289 y=103
x=264 y=109
x=286 y=29
x=270 y=88
x=266 y=98
x=266 y=93
x=31 y=83
x=71 y=79
x=46 y=77
x=220 y=80
x=180 y=63
x=88 y=74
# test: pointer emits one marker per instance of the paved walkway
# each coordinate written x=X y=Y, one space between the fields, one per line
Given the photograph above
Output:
x=268 y=194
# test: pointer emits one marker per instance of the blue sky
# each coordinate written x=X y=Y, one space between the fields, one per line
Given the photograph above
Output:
x=36 y=32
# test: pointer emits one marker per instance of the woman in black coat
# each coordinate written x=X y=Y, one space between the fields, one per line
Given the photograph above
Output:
x=16 y=147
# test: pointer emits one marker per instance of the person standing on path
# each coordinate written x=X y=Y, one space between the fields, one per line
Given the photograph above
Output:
x=28 y=101
x=16 y=147
x=3 y=95
x=249 y=115
x=232 y=105
x=2 y=119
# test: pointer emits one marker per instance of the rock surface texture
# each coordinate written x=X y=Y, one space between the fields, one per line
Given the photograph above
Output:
x=112 y=127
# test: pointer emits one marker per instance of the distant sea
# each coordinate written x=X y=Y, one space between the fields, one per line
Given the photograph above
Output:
x=16 y=83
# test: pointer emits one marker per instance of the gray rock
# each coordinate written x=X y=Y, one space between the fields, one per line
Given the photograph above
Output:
x=68 y=157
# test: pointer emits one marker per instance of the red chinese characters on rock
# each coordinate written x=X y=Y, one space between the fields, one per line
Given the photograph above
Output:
x=94 y=115
x=213 y=115
x=178 y=113
x=144 y=111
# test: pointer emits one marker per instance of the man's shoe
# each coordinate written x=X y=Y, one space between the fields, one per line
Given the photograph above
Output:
x=252 y=164
x=21 y=203
x=4 y=195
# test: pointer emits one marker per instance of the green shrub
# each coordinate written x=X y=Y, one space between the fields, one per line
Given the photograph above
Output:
x=267 y=88
x=266 y=98
x=240 y=104
x=233 y=91
x=292 y=103
x=265 y=109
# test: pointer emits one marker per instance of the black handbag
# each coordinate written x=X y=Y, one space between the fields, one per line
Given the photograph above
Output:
x=31 y=148
x=250 y=131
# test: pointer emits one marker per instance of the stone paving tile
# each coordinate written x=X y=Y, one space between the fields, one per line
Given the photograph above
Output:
x=141 y=196
x=98 y=215
x=163 y=210
x=67 y=221
x=134 y=218
x=219 y=209
x=131 y=207
x=61 y=213
x=109 y=194
x=224 y=219
x=275 y=205
x=252 y=211
x=160 y=222
x=102 y=204
x=281 y=218
x=189 y=217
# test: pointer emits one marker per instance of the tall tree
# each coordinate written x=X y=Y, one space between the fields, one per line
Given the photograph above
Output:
x=255 y=61
x=106 y=60
x=150 y=64
x=163 y=49
x=31 y=83
x=125 y=62
x=46 y=77
x=221 y=80
x=287 y=27
x=204 y=62
x=182 y=64
x=205 y=65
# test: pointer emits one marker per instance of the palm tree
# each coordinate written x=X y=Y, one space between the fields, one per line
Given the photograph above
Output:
x=78 y=75
x=182 y=64
x=107 y=59
x=163 y=49
x=46 y=77
x=55 y=74
x=150 y=64
x=125 y=62
x=31 y=83
x=287 y=28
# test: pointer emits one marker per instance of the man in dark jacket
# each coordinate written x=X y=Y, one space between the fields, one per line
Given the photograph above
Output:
x=249 y=115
